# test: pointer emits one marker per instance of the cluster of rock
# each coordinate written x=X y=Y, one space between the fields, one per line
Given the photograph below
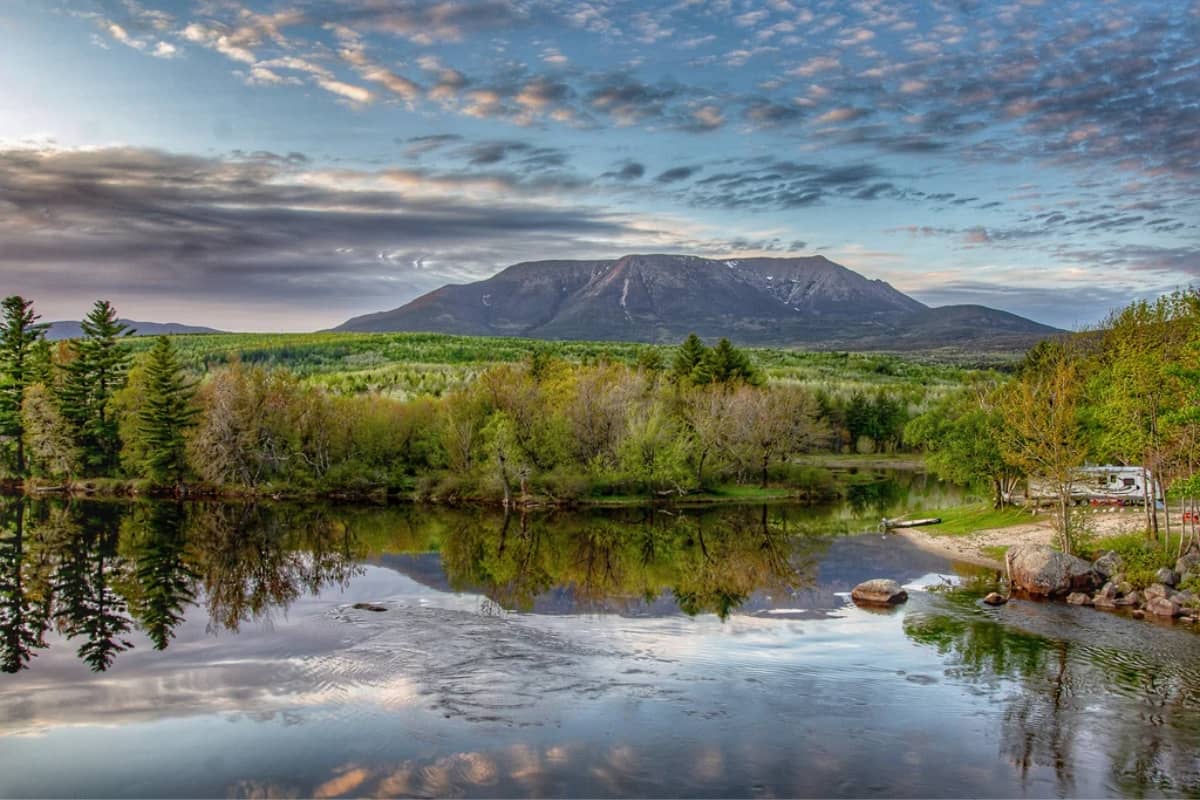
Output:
x=1041 y=571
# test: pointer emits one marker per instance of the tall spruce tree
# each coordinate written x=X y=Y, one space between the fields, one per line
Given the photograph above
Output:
x=19 y=337
x=165 y=413
x=97 y=368
x=726 y=364
x=689 y=357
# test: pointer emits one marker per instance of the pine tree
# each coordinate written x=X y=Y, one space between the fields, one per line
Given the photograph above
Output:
x=97 y=368
x=690 y=356
x=726 y=364
x=19 y=336
x=165 y=413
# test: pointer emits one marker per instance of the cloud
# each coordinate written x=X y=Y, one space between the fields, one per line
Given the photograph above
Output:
x=676 y=174
x=275 y=233
x=627 y=171
x=629 y=101
x=762 y=184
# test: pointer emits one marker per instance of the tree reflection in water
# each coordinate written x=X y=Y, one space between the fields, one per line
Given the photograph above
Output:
x=708 y=563
x=1146 y=725
x=97 y=572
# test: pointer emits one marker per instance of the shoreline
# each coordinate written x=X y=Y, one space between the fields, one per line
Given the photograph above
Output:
x=968 y=548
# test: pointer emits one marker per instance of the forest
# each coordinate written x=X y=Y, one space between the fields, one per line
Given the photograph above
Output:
x=521 y=423
x=558 y=423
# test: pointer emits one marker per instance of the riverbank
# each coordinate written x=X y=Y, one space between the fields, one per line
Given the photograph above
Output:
x=985 y=547
x=731 y=494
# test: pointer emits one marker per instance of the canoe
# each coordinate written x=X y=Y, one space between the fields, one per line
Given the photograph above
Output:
x=911 y=523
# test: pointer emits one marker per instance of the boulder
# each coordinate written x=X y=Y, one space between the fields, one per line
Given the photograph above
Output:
x=1108 y=565
x=995 y=599
x=1167 y=576
x=879 y=592
x=1079 y=599
x=1156 y=590
x=1162 y=607
x=1186 y=598
x=369 y=607
x=1106 y=597
x=1042 y=571
x=1130 y=599
x=1188 y=562
x=1137 y=613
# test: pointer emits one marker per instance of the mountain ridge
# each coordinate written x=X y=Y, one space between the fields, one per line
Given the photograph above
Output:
x=70 y=329
x=809 y=301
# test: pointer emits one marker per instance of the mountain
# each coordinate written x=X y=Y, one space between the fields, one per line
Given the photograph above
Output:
x=70 y=329
x=661 y=298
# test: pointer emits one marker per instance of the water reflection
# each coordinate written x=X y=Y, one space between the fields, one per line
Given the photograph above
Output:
x=271 y=681
x=704 y=562
x=96 y=572
x=1073 y=683
x=93 y=572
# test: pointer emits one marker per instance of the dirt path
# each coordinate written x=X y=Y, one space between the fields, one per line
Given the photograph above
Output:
x=969 y=547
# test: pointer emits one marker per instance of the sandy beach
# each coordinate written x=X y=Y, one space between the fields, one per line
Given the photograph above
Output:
x=969 y=548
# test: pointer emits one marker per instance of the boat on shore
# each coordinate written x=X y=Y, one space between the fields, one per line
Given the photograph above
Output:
x=889 y=524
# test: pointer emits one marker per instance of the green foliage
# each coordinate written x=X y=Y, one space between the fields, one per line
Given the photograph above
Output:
x=49 y=443
x=20 y=366
x=164 y=415
x=961 y=436
x=1142 y=558
x=96 y=369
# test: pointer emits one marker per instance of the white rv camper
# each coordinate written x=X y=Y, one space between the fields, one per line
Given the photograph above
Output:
x=1105 y=484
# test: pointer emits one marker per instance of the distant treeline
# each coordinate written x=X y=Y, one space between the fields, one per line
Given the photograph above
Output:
x=409 y=365
x=543 y=427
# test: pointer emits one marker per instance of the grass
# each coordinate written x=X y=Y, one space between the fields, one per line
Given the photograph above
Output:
x=1142 y=557
x=996 y=552
x=968 y=519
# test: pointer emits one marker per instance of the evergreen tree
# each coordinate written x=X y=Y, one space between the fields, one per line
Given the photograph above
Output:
x=689 y=358
x=726 y=364
x=165 y=413
x=97 y=368
x=19 y=336
x=165 y=582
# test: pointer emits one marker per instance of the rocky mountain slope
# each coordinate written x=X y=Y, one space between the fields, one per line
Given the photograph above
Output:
x=811 y=302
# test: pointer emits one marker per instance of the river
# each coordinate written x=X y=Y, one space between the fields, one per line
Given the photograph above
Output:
x=208 y=650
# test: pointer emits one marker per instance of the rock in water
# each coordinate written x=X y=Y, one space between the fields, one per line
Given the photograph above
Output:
x=1079 y=599
x=1042 y=571
x=1106 y=597
x=995 y=599
x=1162 y=607
x=879 y=592
x=369 y=607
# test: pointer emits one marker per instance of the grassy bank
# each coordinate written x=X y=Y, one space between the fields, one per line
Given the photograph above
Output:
x=968 y=519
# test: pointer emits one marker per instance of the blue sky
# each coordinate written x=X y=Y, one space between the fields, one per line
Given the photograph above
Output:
x=286 y=165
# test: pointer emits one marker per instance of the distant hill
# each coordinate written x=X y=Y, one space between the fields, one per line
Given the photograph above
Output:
x=811 y=301
x=69 y=329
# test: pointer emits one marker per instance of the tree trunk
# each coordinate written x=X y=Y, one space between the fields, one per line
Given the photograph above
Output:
x=765 y=463
x=504 y=477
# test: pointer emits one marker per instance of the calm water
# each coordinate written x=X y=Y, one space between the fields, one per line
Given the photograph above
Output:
x=215 y=650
